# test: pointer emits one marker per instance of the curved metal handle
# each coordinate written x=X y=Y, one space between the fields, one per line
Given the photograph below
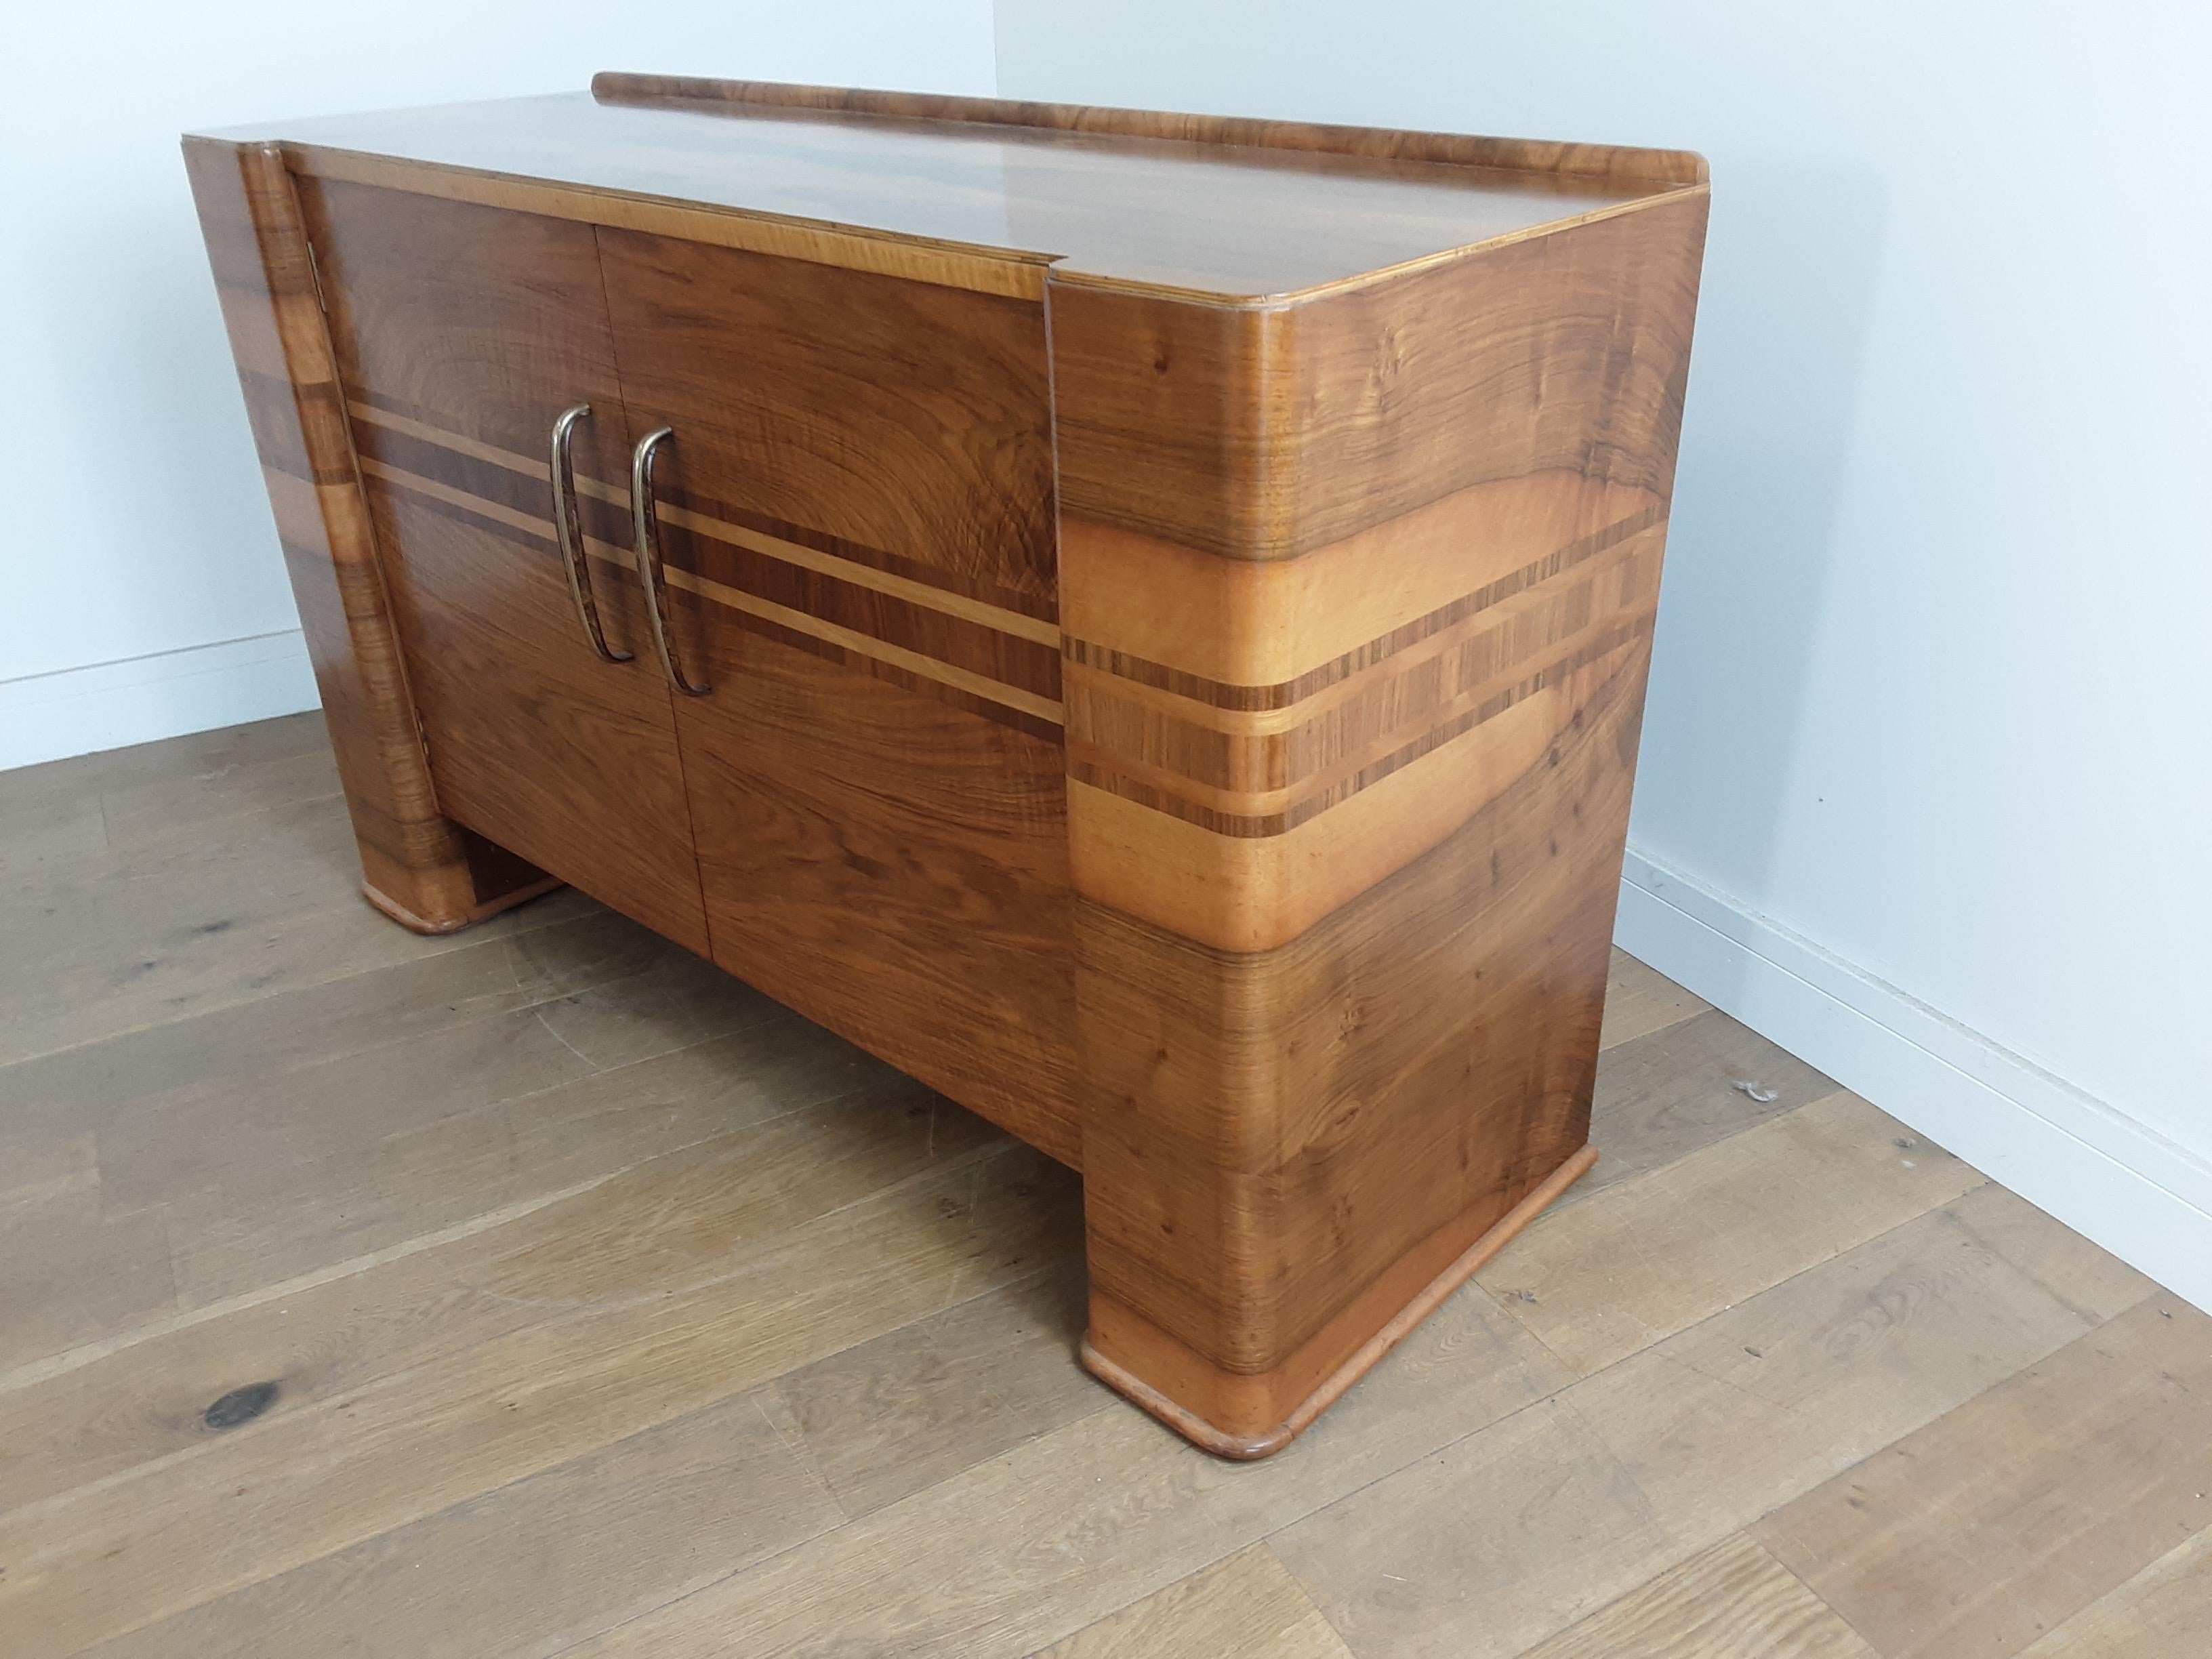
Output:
x=649 y=575
x=570 y=535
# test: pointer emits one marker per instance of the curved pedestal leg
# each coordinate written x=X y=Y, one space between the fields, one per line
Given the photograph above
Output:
x=424 y=872
x=1247 y=1447
x=1356 y=589
x=1292 y=1153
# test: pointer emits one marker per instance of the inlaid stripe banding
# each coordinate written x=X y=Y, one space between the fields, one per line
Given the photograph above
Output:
x=1031 y=616
x=1085 y=766
x=1266 y=769
x=1254 y=699
x=989 y=659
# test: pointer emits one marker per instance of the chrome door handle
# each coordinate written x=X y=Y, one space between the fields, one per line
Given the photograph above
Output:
x=570 y=535
x=647 y=523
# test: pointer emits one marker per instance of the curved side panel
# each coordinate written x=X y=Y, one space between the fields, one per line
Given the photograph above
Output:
x=1357 y=598
x=423 y=872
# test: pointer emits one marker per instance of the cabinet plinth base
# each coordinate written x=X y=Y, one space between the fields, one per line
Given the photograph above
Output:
x=1247 y=1447
x=391 y=907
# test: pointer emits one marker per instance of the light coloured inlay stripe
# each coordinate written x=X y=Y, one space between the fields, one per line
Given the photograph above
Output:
x=882 y=650
x=1251 y=725
x=978 y=612
x=498 y=511
x=800 y=621
x=1328 y=782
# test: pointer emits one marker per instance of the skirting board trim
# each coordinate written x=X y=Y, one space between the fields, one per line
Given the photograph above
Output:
x=2112 y=1179
x=111 y=705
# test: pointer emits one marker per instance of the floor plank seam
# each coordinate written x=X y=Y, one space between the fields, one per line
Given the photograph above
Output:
x=1144 y=1595
x=28 y=1373
x=446 y=946
x=556 y=1314
x=1558 y=1396
x=36 y=1372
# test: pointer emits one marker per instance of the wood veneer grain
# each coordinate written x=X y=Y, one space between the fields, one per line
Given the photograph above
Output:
x=1345 y=888
x=1232 y=212
x=487 y=325
x=415 y=864
x=899 y=416
x=892 y=864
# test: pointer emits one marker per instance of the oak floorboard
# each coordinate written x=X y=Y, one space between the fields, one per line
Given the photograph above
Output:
x=51 y=1169
x=1995 y=1523
x=1663 y=1095
x=1025 y=1549
x=156 y=809
x=2094 y=1283
x=196 y=907
x=2164 y=1609
x=61 y=811
x=1658 y=1252
x=1008 y=1556
x=1513 y=1533
x=684 y=1221
x=1244 y=1607
x=1731 y=1602
x=578 y=1344
x=656 y=1013
x=1485 y=1546
x=1765 y=1400
x=157 y=935
x=102 y=1561
x=884 y=1418
x=78 y=1089
x=1639 y=1000
x=38 y=826
x=531 y=1568
x=68 y=1273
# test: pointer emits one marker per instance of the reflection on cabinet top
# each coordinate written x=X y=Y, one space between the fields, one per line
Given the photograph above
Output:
x=1216 y=209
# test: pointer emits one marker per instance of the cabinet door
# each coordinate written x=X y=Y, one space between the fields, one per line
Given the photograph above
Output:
x=857 y=517
x=462 y=333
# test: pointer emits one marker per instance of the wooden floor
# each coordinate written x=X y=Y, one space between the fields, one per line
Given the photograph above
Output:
x=561 y=1295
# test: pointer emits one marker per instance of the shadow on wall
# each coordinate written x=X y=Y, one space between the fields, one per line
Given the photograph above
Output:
x=1791 y=264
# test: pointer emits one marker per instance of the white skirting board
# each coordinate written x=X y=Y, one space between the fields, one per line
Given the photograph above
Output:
x=111 y=705
x=2103 y=1174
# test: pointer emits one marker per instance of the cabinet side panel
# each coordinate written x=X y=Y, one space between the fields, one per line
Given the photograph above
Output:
x=416 y=866
x=1347 y=800
x=1267 y=434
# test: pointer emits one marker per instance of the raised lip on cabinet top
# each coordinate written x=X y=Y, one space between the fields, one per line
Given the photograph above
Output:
x=992 y=193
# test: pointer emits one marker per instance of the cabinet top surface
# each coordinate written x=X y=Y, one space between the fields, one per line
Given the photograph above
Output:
x=1235 y=209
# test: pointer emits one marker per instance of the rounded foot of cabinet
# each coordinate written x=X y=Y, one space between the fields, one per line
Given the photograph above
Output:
x=433 y=927
x=1184 y=1372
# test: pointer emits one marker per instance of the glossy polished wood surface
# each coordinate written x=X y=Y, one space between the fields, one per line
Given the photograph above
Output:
x=1355 y=678
x=857 y=518
x=418 y=866
x=462 y=332
x=1254 y=216
x=1168 y=601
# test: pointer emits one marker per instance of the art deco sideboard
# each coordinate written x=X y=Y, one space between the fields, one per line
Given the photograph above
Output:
x=1138 y=620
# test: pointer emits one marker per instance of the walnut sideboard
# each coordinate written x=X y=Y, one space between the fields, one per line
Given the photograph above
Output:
x=1140 y=621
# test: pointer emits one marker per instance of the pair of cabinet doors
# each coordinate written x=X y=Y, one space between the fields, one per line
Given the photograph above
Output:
x=845 y=782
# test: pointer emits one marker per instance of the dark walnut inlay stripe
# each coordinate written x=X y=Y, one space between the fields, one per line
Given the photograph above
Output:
x=987 y=659
x=521 y=453
x=1086 y=765
x=1296 y=750
x=1023 y=663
